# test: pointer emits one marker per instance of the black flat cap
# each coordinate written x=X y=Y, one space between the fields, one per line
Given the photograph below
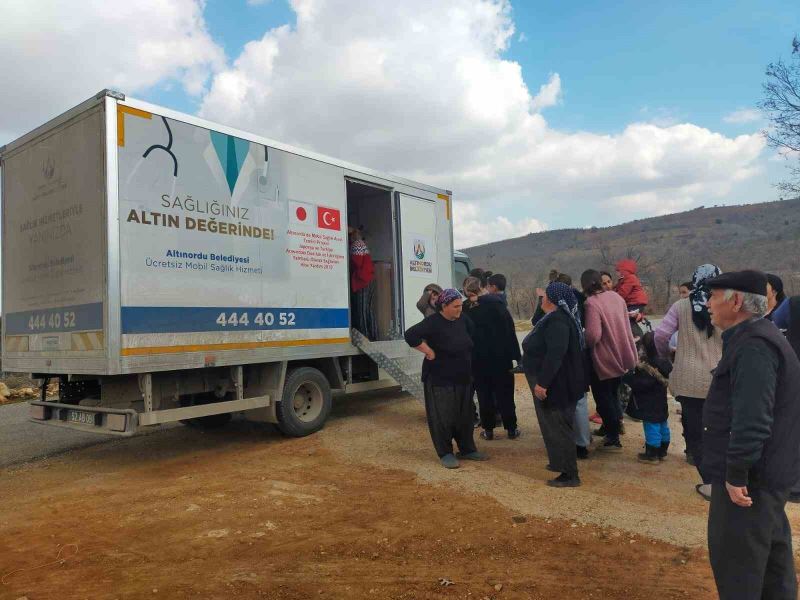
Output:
x=753 y=282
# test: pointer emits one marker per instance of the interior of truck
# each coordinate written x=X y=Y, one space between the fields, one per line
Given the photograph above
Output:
x=374 y=311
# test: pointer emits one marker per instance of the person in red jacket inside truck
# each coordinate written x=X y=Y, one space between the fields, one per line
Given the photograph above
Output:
x=628 y=285
x=362 y=292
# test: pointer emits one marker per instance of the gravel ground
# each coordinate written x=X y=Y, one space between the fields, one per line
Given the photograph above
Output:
x=618 y=492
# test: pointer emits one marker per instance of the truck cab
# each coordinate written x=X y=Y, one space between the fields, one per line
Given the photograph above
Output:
x=462 y=265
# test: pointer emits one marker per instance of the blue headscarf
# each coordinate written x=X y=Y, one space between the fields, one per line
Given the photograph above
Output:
x=564 y=298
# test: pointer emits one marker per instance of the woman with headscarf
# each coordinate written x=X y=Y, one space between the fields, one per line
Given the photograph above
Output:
x=775 y=295
x=553 y=362
x=698 y=352
x=444 y=338
x=427 y=303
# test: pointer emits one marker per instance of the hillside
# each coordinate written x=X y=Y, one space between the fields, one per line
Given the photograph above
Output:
x=668 y=248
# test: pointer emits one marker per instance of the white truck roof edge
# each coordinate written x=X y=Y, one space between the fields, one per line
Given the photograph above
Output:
x=59 y=119
x=254 y=137
x=160 y=110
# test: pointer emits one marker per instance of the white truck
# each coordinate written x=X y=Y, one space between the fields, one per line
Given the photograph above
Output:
x=161 y=268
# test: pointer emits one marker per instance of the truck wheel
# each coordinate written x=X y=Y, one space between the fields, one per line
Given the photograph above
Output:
x=305 y=403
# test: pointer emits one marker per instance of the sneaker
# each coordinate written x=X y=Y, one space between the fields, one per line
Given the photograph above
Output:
x=514 y=434
x=564 y=480
x=480 y=456
x=582 y=452
x=449 y=461
x=621 y=428
x=610 y=445
x=600 y=432
x=487 y=434
x=595 y=418
x=704 y=489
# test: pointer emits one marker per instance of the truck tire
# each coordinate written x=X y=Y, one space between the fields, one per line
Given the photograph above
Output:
x=305 y=402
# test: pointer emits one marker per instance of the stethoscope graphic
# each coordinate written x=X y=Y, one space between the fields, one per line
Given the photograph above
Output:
x=262 y=177
x=167 y=148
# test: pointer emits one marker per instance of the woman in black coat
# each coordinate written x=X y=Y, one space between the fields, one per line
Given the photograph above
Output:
x=445 y=339
x=496 y=347
x=554 y=365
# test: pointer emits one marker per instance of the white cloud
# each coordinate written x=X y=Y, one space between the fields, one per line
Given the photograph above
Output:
x=422 y=89
x=549 y=94
x=416 y=88
x=57 y=54
x=743 y=115
x=473 y=227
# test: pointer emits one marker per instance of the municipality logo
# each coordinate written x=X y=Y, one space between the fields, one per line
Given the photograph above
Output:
x=419 y=249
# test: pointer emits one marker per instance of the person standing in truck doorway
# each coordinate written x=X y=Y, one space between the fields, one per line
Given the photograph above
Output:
x=362 y=289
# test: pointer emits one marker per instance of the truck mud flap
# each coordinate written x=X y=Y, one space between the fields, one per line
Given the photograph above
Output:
x=113 y=421
x=404 y=364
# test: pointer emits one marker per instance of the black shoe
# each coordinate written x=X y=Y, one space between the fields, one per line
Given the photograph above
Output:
x=794 y=498
x=700 y=489
x=600 y=432
x=552 y=469
x=662 y=451
x=514 y=434
x=517 y=369
x=649 y=456
x=610 y=445
x=582 y=452
x=487 y=434
x=565 y=480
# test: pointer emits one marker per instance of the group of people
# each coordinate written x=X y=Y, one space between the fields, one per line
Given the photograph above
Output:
x=727 y=350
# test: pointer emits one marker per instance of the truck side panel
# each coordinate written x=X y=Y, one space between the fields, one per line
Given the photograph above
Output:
x=227 y=246
x=54 y=267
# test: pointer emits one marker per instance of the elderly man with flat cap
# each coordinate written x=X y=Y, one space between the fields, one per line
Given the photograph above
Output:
x=751 y=444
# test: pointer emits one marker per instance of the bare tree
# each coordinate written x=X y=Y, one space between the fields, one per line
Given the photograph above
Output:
x=781 y=103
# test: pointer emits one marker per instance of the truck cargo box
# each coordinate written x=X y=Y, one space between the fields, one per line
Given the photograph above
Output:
x=137 y=239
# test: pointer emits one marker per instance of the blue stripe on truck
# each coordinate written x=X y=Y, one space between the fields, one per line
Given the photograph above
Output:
x=78 y=317
x=189 y=319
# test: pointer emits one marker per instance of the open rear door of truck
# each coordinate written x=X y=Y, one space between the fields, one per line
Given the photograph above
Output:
x=421 y=249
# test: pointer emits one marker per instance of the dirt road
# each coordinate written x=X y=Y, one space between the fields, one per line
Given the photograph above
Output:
x=359 y=510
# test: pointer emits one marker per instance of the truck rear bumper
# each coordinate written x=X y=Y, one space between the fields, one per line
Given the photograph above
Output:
x=113 y=421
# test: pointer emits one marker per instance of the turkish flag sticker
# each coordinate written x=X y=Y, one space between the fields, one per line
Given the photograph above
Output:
x=329 y=218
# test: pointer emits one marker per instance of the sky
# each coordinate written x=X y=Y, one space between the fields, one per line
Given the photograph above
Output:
x=538 y=115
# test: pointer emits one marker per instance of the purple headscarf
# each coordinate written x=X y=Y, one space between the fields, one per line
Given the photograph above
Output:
x=446 y=297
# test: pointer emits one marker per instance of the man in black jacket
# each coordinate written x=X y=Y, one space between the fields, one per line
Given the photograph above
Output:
x=751 y=444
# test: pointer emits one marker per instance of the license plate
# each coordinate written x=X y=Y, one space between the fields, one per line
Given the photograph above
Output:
x=79 y=416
